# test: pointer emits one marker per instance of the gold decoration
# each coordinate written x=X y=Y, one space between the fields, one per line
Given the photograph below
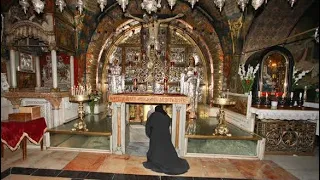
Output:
x=80 y=125
x=222 y=128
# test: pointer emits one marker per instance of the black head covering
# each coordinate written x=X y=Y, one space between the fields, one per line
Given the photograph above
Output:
x=159 y=108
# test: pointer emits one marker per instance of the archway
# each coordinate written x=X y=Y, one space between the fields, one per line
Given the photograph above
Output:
x=109 y=30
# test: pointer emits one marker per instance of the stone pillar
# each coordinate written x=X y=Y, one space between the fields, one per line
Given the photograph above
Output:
x=72 y=71
x=38 y=76
x=56 y=118
x=13 y=70
x=8 y=66
x=54 y=70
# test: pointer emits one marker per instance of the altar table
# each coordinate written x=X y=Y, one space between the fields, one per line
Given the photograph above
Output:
x=288 y=130
x=14 y=132
x=120 y=117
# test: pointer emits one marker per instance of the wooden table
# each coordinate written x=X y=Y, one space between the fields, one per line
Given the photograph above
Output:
x=14 y=133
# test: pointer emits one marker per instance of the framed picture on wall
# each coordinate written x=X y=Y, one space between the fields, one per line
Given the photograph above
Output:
x=26 y=63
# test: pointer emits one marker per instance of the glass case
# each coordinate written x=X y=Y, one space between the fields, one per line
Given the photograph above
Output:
x=274 y=73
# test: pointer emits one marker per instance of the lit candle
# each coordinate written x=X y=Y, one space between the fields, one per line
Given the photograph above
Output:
x=165 y=84
x=283 y=95
x=135 y=84
x=266 y=94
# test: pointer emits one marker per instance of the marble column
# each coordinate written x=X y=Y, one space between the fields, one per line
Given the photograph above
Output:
x=56 y=117
x=13 y=70
x=38 y=76
x=72 y=71
x=118 y=128
x=8 y=66
x=178 y=128
x=54 y=70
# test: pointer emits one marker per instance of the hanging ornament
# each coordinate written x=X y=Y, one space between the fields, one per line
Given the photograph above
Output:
x=192 y=2
x=38 y=6
x=150 y=6
x=159 y=4
x=316 y=35
x=172 y=3
x=80 y=5
x=257 y=3
x=102 y=4
x=292 y=2
x=219 y=3
x=123 y=4
x=243 y=4
x=25 y=5
x=61 y=4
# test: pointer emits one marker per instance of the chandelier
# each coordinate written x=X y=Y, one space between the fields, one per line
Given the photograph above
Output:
x=148 y=5
x=243 y=3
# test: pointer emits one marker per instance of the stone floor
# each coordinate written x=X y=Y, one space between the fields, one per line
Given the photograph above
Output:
x=83 y=164
x=128 y=164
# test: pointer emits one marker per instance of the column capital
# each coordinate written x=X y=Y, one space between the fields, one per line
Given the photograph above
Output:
x=55 y=89
x=55 y=102
x=52 y=46
x=11 y=47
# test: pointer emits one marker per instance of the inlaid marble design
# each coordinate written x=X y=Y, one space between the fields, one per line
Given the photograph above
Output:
x=71 y=162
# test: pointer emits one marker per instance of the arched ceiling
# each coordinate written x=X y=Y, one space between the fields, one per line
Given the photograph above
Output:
x=113 y=19
x=274 y=24
x=275 y=20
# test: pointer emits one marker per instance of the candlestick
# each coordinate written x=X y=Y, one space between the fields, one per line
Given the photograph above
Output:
x=283 y=95
x=305 y=94
x=291 y=95
x=227 y=93
x=266 y=95
x=300 y=95
x=259 y=94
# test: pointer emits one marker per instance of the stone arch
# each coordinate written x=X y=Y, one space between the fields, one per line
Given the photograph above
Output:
x=207 y=39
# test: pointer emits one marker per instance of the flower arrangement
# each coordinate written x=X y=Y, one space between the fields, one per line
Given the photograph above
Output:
x=95 y=96
x=298 y=75
x=247 y=77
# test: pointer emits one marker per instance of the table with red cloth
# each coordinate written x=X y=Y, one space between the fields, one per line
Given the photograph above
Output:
x=15 y=132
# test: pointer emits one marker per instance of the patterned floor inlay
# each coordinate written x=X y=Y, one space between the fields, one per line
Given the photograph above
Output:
x=87 y=165
x=47 y=174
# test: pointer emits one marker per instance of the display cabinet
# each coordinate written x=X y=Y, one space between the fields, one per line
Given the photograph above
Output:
x=275 y=72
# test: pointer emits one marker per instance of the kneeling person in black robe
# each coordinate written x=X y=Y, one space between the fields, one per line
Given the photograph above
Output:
x=162 y=156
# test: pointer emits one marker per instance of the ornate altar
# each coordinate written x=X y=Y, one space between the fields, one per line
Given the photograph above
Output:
x=159 y=71
x=120 y=111
x=287 y=130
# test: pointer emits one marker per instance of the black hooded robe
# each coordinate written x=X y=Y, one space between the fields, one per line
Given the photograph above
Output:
x=162 y=156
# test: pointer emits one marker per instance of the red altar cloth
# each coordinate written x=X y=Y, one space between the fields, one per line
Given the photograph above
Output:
x=13 y=132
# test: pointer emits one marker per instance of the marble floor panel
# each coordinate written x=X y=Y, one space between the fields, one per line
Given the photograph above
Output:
x=137 y=148
x=80 y=141
x=70 y=161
